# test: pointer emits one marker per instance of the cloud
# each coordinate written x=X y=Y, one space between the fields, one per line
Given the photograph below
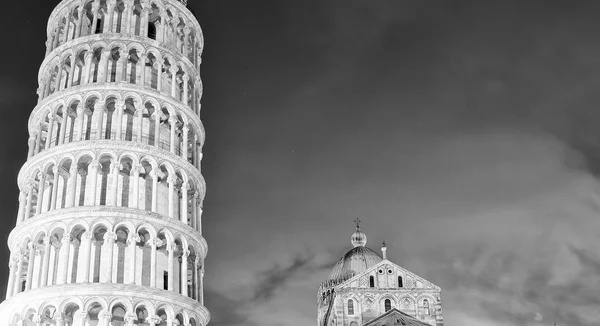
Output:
x=259 y=290
x=276 y=278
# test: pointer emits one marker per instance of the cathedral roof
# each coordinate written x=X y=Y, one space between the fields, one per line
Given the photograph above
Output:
x=395 y=317
x=357 y=260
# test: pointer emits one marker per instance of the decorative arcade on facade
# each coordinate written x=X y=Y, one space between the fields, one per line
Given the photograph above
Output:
x=108 y=230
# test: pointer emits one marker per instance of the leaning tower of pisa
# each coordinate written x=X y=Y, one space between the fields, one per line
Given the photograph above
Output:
x=108 y=230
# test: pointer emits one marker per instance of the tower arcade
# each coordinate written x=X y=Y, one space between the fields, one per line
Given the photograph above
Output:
x=109 y=224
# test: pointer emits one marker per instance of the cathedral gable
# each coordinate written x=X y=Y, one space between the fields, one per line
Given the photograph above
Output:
x=387 y=274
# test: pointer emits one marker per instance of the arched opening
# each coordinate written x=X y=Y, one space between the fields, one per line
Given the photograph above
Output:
x=28 y=318
x=36 y=278
x=83 y=175
x=125 y=185
x=55 y=241
x=54 y=82
x=146 y=187
x=191 y=275
x=400 y=282
x=162 y=262
x=95 y=68
x=103 y=187
x=74 y=263
x=88 y=119
x=164 y=197
x=109 y=123
x=179 y=319
x=99 y=251
x=162 y=315
x=93 y=314
x=79 y=66
x=426 y=310
x=388 y=305
x=118 y=315
x=143 y=258
x=350 y=307
x=120 y=253
x=48 y=316
x=70 y=122
x=71 y=317
x=371 y=281
x=64 y=171
x=151 y=72
x=141 y=314
x=133 y=62
x=127 y=128
x=118 y=17
x=113 y=65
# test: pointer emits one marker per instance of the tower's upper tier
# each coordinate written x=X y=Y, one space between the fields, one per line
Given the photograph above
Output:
x=168 y=22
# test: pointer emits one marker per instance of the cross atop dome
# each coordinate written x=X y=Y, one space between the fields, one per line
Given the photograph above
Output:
x=357 y=221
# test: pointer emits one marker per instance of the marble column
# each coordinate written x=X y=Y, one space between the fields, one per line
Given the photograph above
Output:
x=183 y=210
x=95 y=12
x=87 y=76
x=114 y=168
x=173 y=71
x=186 y=79
x=118 y=126
x=31 y=143
x=50 y=131
x=142 y=64
x=154 y=246
x=170 y=268
x=72 y=185
x=30 y=263
x=172 y=180
x=30 y=189
x=93 y=176
x=63 y=259
x=79 y=123
x=41 y=187
x=131 y=248
x=106 y=266
x=173 y=126
x=85 y=257
x=154 y=176
x=17 y=283
x=184 y=272
x=12 y=275
x=22 y=202
x=63 y=127
x=54 y=191
x=99 y=116
x=136 y=169
x=46 y=263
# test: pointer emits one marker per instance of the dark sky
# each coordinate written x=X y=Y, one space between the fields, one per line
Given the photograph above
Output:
x=463 y=133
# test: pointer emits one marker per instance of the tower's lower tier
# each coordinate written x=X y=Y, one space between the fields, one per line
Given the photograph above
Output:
x=101 y=304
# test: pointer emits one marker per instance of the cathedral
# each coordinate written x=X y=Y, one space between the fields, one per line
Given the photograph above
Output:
x=366 y=289
x=109 y=224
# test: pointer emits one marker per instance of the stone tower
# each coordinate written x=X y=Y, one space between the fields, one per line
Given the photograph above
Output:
x=108 y=230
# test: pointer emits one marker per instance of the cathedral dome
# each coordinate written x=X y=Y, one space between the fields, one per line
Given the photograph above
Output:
x=357 y=260
x=354 y=262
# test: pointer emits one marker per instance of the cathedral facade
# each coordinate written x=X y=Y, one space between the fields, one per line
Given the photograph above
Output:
x=109 y=224
x=366 y=289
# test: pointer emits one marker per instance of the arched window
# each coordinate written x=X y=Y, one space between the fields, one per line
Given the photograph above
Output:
x=426 y=311
x=372 y=281
x=400 y=284
x=350 y=307
x=152 y=30
x=388 y=305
